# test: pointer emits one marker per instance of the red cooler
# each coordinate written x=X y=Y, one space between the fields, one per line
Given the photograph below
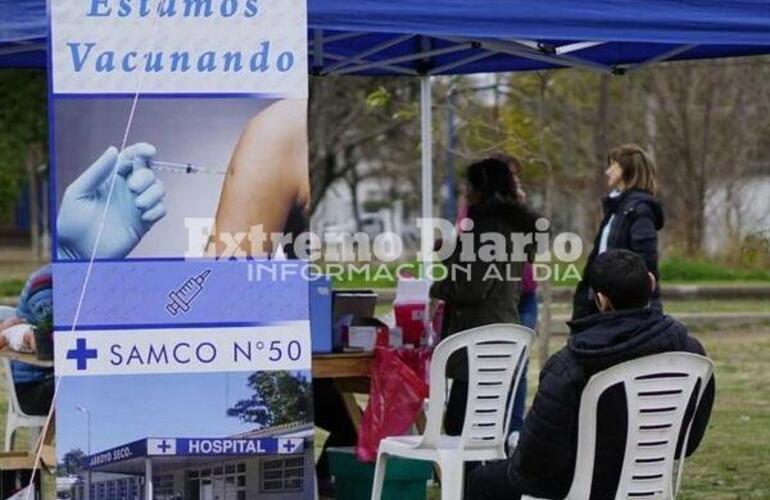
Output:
x=410 y=308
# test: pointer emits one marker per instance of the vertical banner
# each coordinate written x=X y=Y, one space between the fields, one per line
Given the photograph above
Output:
x=179 y=154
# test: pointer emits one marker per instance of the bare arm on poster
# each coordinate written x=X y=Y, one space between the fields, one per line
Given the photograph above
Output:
x=267 y=178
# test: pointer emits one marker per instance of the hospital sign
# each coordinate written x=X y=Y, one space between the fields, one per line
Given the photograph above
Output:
x=197 y=447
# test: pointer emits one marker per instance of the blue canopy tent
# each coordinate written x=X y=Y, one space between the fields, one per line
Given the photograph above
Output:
x=413 y=37
x=425 y=38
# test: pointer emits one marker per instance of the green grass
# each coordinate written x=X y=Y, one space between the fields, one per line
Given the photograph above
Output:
x=14 y=271
x=9 y=288
x=671 y=306
x=379 y=275
x=673 y=270
x=679 y=270
x=731 y=462
x=696 y=306
x=360 y=281
x=717 y=306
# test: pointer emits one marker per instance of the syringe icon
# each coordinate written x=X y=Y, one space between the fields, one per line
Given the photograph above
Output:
x=184 y=168
x=181 y=299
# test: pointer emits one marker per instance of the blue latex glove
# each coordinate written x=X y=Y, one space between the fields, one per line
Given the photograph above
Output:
x=136 y=204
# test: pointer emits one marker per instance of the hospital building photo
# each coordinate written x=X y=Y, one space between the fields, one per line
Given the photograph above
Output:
x=270 y=464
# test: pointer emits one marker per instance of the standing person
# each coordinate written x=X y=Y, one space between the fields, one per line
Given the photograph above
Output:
x=527 y=308
x=632 y=218
x=489 y=292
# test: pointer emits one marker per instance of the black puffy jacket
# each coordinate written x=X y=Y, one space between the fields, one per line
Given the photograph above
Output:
x=544 y=461
x=638 y=218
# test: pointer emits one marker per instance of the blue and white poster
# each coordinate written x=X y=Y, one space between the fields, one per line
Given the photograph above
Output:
x=180 y=173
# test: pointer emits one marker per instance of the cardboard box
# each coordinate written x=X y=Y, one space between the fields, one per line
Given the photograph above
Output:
x=366 y=333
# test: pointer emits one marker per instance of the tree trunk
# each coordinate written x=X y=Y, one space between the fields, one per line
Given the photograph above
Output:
x=601 y=146
x=353 y=180
x=546 y=322
x=31 y=162
x=45 y=207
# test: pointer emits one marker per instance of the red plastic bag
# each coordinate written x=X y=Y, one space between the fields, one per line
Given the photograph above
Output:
x=395 y=399
x=416 y=359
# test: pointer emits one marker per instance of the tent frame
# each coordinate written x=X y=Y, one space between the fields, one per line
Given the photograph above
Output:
x=362 y=61
x=562 y=55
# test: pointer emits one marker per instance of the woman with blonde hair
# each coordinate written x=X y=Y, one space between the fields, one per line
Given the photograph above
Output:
x=632 y=217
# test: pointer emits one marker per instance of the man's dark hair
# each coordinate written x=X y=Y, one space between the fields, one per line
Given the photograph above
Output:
x=622 y=277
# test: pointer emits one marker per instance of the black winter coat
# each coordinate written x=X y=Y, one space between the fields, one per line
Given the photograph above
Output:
x=544 y=461
x=638 y=218
x=489 y=291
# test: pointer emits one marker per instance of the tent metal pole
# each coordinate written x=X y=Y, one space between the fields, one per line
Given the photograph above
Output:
x=462 y=62
x=22 y=48
x=148 y=478
x=574 y=47
x=395 y=69
x=518 y=50
x=459 y=47
x=564 y=60
x=335 y=38
x=659 y=58
x=360 y=58
x=426 y=125
x=318 y=50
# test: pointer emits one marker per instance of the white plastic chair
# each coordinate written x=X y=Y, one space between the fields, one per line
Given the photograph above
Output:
x=16 y=418
x=496 y=355
x=658 y=390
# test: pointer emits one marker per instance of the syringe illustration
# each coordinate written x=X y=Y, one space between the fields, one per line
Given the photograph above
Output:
x=181 y=299
x=184 y=168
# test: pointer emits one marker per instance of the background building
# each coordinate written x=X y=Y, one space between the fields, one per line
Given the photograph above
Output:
x=276 y=471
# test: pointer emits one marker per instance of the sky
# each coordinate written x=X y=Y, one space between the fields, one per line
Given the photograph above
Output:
x=129 y=407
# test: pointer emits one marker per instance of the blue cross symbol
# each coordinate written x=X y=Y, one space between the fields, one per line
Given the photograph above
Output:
x=82 y=354
x=164 y=446
x=289 y=446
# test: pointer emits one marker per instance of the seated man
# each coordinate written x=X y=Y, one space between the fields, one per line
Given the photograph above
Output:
x=626 y=328
x=34 y=385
